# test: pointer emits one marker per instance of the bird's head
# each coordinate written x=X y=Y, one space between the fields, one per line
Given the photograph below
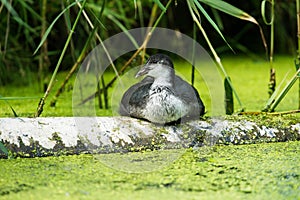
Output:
x=157 y=66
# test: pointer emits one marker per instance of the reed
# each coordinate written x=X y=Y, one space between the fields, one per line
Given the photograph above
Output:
x=25 y=22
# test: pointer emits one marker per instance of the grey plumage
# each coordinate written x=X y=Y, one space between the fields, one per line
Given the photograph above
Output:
x=135 y=101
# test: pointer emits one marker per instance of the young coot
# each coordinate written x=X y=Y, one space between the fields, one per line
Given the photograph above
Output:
x=161 y=97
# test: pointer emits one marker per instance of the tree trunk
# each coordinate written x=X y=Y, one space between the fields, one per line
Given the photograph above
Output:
x=31 y=137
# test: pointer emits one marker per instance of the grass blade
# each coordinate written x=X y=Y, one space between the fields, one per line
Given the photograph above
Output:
x=297 y=59
x=160 y=5
x=102 y=9
x=191 y=7
x=31 y=10
x=9 y=8
x=12 y=109
x=16 y=16
x=43 y=99
x=229 y=104
x=52 y=24
x=67 y=17
x=218 y=19
x=235 y=12
x=142 y=47
x=263 y=12
x=274 y=94
x=124 y=29
x=17 y=98
x=285 y=90
x=75 y=66
x=211 y=22
x=3 y=149
x=193 y=53
x=229 y=9
x=97 y=35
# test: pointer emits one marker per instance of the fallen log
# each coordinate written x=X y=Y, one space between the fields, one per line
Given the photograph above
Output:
x=32 y=137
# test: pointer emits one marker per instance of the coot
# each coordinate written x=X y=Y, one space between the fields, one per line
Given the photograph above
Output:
x=161 y=97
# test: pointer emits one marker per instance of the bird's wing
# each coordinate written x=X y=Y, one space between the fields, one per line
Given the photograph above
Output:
x=135 y=95
x=190 y=95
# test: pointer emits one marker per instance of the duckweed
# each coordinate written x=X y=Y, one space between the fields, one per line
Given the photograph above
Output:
x=256 y=171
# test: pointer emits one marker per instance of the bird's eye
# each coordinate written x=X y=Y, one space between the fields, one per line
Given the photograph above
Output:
x=161 y=62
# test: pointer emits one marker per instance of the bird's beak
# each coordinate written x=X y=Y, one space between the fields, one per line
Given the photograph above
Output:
x=144 y=70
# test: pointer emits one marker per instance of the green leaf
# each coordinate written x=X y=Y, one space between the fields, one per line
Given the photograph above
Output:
x=102 y=9
x=218 y=19
x=211 y=22
x=3 y=149
x=68 y=19
x=297 y=65
x=31 y=10
x=98 y=19
x=51 y=82
x=229 y=104
x=235 y=12
x=193 y=10
x=284 y=91
x=15 y=15
x=17 y=98
x=123 y=28
x=9 y=8
x=12 y=109
x=14 y=112
x=160 y=5
x=263 y=12
x=229 y=9
x=52 y=24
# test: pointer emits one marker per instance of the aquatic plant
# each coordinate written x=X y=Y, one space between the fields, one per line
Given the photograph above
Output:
x=277 y=95
x=3 y=149
x=29 y=22
x=50 y=85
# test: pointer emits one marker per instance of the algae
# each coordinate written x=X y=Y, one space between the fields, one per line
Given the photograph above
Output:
x=253 y=92
x=256 y=171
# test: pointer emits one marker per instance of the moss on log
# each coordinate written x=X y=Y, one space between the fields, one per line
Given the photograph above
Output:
x=31 y=137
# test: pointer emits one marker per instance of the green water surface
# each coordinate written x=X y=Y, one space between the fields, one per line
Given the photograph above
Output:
x=257 y=171
x=249 y=76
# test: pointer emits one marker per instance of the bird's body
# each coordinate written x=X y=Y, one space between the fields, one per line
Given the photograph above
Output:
x=161 y=97
x=163 y=106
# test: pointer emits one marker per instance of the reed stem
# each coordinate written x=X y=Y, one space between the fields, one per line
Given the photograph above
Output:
x=51 y=83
